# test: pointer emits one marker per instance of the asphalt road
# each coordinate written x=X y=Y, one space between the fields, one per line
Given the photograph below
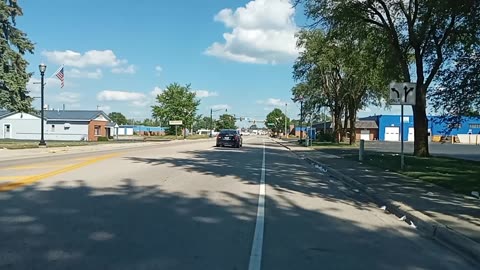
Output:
x=462 y=151
x=194 y=206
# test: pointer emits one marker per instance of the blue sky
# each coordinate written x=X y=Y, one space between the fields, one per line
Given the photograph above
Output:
x=117 y=55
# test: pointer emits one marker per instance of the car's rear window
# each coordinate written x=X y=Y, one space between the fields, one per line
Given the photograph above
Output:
x=223 y=132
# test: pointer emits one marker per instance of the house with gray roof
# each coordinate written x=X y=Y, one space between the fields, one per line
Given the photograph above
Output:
x=61 y=125
x=365 y=129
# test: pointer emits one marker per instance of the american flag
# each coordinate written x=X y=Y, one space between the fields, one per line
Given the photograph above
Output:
x=61 y=77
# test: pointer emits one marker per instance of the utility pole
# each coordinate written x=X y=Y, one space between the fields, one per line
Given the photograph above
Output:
x=286 y=133
x=301 y=119
x=211 y=122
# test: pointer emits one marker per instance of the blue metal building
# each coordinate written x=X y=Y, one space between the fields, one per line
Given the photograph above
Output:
x=389 y=127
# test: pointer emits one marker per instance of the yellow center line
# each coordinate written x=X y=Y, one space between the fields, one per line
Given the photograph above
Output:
x=27 y=167
x=13 y=177
x=35 y=178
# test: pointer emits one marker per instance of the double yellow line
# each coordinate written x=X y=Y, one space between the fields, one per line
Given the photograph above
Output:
x=35 y=178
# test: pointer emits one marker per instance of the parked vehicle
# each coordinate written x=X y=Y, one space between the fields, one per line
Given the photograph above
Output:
x=229 y=137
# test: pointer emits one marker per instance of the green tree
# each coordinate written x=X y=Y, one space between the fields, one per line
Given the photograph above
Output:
x=14 y=44
x=341 y=72
x=276 y=120
x=118 y=118
x=177 y=102
x=458 y=91
x=422 y=36
x=225 y=121
x=202 y=122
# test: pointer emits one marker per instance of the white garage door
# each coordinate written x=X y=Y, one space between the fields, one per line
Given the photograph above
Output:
x=411 y=134
x=392 y=134
x=365 y=135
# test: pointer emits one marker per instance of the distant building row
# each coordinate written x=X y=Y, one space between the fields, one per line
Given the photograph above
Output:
x=67 y=125
x=387 y=128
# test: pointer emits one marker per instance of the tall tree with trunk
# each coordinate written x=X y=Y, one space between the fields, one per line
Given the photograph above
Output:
x=118 y=118
x=458 y=92
x=14 y=44
x=342 y=71
x=177 y=102
x=421 y=34
x=276 y=120
x=226 y=121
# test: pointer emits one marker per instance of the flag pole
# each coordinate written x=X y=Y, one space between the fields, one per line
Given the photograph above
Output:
x=56 y=71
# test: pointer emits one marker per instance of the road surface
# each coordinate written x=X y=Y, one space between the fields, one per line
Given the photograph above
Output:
x=190 y=205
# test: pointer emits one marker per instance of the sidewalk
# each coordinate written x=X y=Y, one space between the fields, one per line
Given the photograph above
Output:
x=451 y=218
x=6 y=154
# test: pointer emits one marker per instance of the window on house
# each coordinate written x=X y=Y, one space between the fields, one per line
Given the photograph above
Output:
x=97 y=130
x=53 y=128
x=474 y=126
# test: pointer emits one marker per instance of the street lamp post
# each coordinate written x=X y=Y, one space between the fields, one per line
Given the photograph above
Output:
x=42 y=67
x=211 y=119
x=301 y=118
x=286 y=134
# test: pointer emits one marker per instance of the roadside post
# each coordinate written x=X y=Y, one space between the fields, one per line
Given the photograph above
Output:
x=176 y=123
x=361 y=150
x=402 y=94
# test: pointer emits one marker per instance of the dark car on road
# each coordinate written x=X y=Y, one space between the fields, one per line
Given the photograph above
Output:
x=229 y=137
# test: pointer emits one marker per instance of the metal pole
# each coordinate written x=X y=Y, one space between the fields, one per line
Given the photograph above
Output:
x=285 y=134
x=301 y=120
x=361 y=150
x=324 y=121
x=211 y=122
x=176 y=136
x=402 y=157
x=42 y=139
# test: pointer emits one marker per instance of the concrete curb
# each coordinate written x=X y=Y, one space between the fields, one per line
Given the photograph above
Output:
x=426 y=225
x=59 y=151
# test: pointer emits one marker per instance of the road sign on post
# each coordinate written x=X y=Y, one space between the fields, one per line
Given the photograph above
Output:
x=175 y=123
x=402 y=94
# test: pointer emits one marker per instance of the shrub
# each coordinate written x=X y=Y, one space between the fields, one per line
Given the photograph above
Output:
x=102 y=139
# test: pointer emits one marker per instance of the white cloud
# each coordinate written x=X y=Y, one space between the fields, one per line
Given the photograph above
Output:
x=33 y=85
x=274 y=102
x=140 y=103
x=110 y=95
x=135 y=98
x=262 y=32
x=77 y=73
x=104 y=108
x=73 y=106
x=158 y=70
x=205 y=93
x=156 y=91
x=106 y=58
x=221 y=107
x=131 y=69
x=68 y=97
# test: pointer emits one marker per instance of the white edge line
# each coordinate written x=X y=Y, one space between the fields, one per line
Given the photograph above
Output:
x=257 y=245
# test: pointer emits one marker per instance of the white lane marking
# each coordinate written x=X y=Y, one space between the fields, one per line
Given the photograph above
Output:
x=257 y=245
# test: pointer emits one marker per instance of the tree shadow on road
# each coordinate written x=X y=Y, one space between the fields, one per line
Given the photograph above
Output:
x=134 y=226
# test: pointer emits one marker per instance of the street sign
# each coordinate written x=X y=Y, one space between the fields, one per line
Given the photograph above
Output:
x=402 y=93
x=175 y=123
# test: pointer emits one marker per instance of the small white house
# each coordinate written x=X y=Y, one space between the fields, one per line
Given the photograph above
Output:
x=59 y=125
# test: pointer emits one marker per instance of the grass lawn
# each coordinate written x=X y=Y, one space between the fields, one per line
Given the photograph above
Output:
x=462 y=176
x=21 y=144
x=173 y=137
x=320 y=145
